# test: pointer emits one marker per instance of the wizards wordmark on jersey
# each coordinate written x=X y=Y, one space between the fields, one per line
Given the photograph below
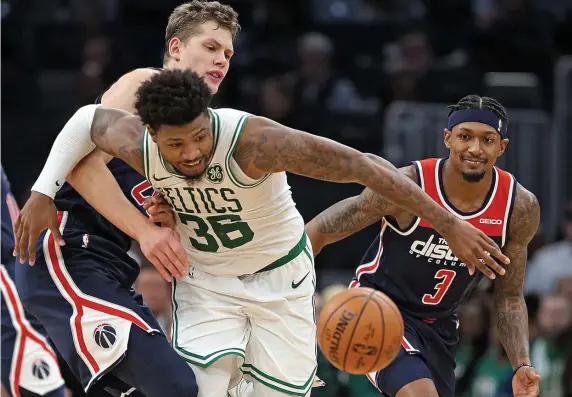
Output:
x=415 y=267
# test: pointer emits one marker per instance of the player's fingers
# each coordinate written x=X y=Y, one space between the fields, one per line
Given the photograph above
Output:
x=160 y=268
x=482 y=266
x=148 y=202
x=176 y=261
x=492 y=263
x=168 y=264
x=159 y=199
x=22 y=244
x=470 y=268
x=32 y=241
x=181 y=255
x=494 y=250
x=57 y=235
x=531 y=374
x=17 y=233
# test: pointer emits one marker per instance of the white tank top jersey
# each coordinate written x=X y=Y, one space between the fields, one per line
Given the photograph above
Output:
x=230 y=224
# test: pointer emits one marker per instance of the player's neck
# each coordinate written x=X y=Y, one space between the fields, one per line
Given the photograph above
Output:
x=457 y=188
x=170 y=64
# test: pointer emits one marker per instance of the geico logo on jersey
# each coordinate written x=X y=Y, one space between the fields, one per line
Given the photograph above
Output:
x=490 y=221
x=436 y=252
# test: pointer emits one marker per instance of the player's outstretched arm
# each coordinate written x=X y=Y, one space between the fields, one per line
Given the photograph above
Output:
x=351 y=215
x=119 y=134
x=509 y=304
x=266 y=147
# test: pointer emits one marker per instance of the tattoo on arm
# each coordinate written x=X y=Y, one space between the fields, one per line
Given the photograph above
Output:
x=512 y=315
x=119 y=134
x=266 y=146
x=356 y=213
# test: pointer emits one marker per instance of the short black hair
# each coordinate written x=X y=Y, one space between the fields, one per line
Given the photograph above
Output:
x=172 y=97
x=480 y=102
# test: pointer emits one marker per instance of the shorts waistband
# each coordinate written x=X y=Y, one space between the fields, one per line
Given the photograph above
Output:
x=294 y=252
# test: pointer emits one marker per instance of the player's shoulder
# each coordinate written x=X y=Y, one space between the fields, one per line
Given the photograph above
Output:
x=525 y=217
x=409 y=171
x=229 y=114
x=138 y=75
x=124 y=88
x=525 y=200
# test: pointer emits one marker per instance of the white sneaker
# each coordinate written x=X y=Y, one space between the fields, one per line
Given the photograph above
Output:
x=318 y=382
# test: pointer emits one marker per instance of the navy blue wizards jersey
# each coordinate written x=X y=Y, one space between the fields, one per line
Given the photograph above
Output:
x=415 y=267
x=9 y=214
x=83 y=216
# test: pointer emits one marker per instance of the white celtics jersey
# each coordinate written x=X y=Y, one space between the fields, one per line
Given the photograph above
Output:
x=230 y=225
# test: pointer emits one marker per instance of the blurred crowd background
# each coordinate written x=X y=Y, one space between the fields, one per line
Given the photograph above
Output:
x=373 y=74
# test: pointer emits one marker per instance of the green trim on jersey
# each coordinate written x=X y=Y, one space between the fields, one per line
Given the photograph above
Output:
x=145 y=148
x=196 y=359
x=277 y=384
x=215 y=126
x=294 y=252
x=236 y=136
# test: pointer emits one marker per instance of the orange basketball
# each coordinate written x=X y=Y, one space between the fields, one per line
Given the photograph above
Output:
x=360 y=330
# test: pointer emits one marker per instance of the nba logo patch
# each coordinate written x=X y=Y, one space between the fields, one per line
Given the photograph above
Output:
x=500 y=125
x=85 y=241
x=215 y=173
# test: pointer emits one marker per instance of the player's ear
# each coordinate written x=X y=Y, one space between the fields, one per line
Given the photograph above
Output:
x=447 y=138
x=503 y=144
x=175 y=48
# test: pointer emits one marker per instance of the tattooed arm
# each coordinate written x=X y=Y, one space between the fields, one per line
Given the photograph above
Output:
x=511 y=313
x=120 y=135
x=266 y=147
x=351 y=215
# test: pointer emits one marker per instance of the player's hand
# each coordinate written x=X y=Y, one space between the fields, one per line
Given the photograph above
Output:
x=476 y=249
x=38 y=214
x=526 y=382
x=162 y=246
x=159 y=211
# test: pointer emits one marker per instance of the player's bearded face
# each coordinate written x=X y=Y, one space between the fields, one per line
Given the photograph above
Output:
x=474 y=148
x=188 y=148
x=207 y=53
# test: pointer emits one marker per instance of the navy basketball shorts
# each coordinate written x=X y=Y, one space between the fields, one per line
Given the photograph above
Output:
x=427 y=351
x=29 y=364
x=87 y=309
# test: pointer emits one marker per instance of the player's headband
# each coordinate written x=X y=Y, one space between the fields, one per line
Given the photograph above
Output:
x=479 y=116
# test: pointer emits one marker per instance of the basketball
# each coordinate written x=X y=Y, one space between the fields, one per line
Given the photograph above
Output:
x=360 y=331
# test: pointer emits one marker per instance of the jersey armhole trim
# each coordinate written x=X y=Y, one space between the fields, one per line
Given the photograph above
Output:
x=509 y=208
x=145 y=149
x=236 y=136
x=215 y=126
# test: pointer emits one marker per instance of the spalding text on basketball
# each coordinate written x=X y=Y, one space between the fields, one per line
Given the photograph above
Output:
x=341 y=326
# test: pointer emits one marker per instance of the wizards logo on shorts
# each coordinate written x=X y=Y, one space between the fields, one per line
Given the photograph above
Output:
x=41 y=369
x=105 y=335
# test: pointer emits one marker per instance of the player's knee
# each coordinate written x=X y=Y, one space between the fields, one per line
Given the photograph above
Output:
x=419 y=388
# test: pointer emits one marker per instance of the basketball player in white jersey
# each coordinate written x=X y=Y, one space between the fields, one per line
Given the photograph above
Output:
x=246 y=305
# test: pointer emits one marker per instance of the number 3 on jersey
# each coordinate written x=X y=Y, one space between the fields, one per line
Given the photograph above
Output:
x=230 y=229
x=441 y=288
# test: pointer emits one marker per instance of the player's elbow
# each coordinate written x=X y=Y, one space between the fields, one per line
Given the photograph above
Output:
x=372 y=166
